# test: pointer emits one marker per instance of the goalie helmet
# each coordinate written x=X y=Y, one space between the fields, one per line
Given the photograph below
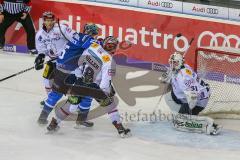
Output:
x=176 y=61
x=91 y=29
x=110 y=44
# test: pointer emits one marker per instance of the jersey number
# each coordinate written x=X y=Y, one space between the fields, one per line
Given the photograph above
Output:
x=63 y=52
x=88 y=73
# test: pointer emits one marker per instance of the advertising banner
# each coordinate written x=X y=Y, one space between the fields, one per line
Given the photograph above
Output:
x=152 y=34
x=122 y=2
x=165 y=5
x=234 y=14
x=205 y=10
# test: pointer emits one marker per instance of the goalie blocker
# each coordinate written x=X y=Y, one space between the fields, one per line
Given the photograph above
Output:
x=192 y=94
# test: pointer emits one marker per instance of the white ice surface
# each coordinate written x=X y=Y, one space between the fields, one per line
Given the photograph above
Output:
x=21 y=138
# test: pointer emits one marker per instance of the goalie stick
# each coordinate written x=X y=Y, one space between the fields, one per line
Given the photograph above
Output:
x=166 y=85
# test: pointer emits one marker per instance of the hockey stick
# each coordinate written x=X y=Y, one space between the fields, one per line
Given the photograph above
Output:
x=167 y=86
x=23 y=71
x=58 y=22
x=28 y=69
x=189 y=44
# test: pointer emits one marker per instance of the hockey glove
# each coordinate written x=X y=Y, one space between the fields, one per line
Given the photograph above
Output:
x=112 y=92
x=39 y=61
x=105 y=102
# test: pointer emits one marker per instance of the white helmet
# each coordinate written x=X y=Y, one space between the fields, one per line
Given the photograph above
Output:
x=176 y=61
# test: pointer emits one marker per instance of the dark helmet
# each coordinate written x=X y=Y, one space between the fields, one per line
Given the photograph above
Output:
x=110 y=44
x=48 y=15
x=90 y=29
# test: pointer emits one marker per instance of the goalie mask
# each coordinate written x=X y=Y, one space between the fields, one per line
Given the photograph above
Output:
x=91 y=29
x=176 y=61
x=110 y=44
x=48 y=21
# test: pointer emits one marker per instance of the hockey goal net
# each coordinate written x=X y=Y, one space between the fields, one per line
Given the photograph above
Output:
x=220 y=68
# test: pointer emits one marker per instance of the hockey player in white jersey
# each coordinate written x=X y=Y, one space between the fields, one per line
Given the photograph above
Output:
x=192 y=94
x=50 y=40
x=75 y=43
x=95 y=71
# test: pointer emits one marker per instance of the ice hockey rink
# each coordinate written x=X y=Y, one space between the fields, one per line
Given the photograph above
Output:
x=22 y=138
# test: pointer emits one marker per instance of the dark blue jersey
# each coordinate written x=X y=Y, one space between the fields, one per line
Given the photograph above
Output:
x=73 y=50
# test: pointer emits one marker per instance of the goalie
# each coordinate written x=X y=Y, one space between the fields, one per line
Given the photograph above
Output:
x=192 y=94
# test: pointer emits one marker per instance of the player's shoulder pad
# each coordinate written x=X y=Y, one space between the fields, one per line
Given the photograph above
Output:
x=66 y=28
x=186 y=73
x=105 y=56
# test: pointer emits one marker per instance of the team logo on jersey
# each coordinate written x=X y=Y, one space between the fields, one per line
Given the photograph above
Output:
x=188 y=72
x=40 y=38
x=105 y=58
x=100 y=50
x=94 y=45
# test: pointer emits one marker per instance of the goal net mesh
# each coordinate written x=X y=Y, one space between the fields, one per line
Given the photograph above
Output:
x=220 y=68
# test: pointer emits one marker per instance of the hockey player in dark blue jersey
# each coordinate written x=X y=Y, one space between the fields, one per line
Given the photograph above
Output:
x=66 y=63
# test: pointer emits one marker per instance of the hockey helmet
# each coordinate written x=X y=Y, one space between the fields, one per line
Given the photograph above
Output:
x=91 y=29
x=176 y=61
x=48 y=21
x=48 y=15
x=110 y=44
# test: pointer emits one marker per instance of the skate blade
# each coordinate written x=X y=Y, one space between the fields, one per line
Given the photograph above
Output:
x=52 y=131
x=42 y=124
x=123 y=135
x=80 y=126
x=77 y=126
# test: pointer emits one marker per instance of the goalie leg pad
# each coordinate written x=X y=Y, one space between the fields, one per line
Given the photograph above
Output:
x=195 y=124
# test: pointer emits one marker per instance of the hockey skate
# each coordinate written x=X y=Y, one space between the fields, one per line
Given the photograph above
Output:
x=42 y=103
x=81 y=121
x=53 y=126
x=216 y=129
x=123 y=132
x=42 y=120
x=83 y=124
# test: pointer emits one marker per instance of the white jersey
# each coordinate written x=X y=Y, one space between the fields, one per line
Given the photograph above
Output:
x=186 y=79
x=98 y=64
x=53 y=42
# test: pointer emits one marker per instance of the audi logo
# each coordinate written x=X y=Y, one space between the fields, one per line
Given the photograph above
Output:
x=216 y=40
x=212 y=11
x=166 y=5
x=127 y=1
